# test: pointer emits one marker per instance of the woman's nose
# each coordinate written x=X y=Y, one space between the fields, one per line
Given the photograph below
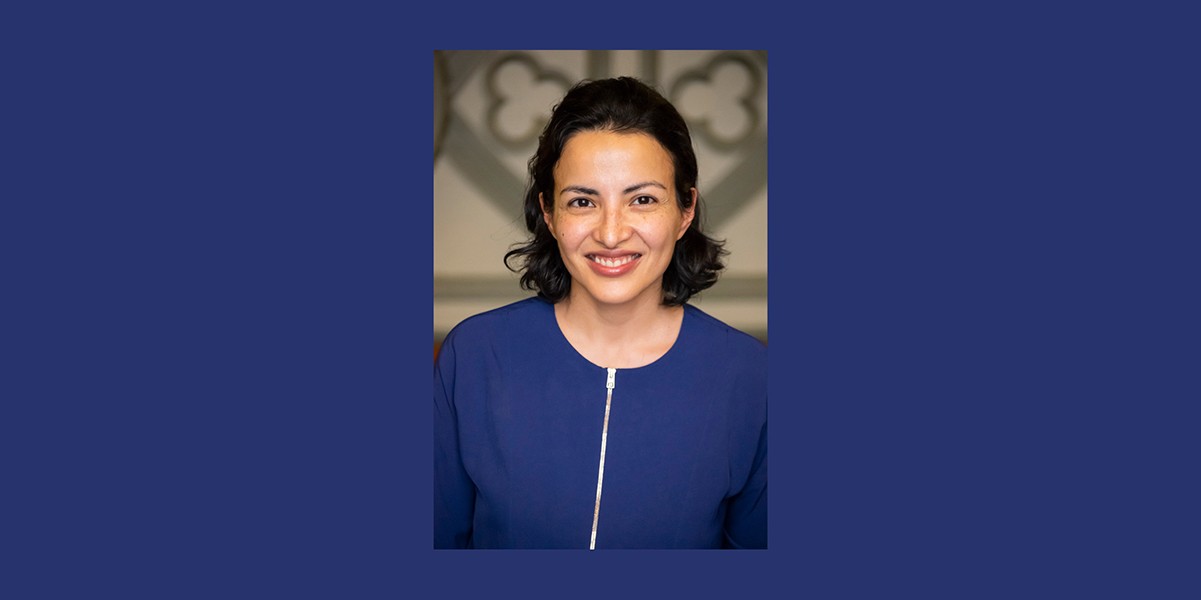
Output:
x=612 y=230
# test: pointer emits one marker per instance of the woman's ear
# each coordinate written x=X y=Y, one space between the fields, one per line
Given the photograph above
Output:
x=689 y=214
x=545 y=214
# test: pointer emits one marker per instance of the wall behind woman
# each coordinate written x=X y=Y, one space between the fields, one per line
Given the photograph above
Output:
x=490 y=106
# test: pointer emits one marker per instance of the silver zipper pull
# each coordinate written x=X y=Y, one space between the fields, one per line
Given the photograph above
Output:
x=610 y=383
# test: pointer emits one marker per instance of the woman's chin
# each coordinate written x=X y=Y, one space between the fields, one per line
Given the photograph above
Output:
x=617 y=296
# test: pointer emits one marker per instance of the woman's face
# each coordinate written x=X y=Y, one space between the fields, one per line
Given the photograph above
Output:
x=615 y=216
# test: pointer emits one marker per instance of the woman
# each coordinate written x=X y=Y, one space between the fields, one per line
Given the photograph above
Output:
x=606 y=412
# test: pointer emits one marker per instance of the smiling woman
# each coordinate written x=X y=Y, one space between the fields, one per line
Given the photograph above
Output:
x=525 y=447
x=616 y=223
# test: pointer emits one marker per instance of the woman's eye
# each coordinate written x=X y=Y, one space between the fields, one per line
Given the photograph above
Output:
x=645 y=200
x=579 y=203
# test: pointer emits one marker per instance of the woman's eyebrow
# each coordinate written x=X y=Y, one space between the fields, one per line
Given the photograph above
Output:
x=579 y=189
x=638 y=186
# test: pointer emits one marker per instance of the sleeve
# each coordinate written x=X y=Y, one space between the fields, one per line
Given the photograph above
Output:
x=454 y=492
x=746 y=514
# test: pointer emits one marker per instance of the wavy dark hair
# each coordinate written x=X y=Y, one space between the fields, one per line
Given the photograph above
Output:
x=622 y=104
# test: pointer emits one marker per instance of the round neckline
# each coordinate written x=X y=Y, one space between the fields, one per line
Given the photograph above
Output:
x=554 y=320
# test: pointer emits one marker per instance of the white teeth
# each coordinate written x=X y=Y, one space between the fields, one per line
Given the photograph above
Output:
x=613 y=262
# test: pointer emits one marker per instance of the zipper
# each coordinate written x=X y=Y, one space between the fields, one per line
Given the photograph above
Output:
x=610 y=383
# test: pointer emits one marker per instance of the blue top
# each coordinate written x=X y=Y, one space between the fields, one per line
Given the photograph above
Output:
x=518 y=417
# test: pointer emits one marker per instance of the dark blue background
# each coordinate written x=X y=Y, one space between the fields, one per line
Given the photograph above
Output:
x=217 y=258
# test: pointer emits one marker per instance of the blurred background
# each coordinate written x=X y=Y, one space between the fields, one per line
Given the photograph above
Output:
x=490 y=106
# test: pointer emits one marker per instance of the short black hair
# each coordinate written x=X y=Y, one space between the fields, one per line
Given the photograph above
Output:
x=622 y=104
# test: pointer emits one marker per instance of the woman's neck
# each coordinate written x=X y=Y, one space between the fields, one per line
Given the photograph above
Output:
x=619 y=336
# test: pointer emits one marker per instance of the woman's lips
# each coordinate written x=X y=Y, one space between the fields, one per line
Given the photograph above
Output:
x=613 y=266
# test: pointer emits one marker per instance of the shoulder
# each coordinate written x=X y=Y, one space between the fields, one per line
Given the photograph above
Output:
x=730 y=363
x=718 y=335
x=730 y=354
x=517 y=317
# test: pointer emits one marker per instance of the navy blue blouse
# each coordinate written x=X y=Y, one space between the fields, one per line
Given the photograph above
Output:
x=518 y=418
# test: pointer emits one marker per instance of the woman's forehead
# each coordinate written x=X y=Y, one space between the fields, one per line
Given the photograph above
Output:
x=607 y=155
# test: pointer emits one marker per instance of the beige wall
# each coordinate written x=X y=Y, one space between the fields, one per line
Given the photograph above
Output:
x=488 y=110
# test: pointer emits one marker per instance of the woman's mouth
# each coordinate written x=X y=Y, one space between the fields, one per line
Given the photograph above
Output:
x=613 y=261
x=612 y=266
